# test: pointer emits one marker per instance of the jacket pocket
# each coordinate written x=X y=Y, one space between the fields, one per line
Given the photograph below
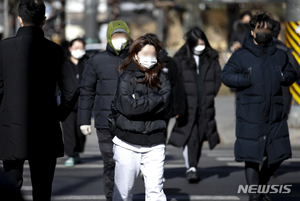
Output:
x=278 y=109
x=249 y=109
x=278 y=75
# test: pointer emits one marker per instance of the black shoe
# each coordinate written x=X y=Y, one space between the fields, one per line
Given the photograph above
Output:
x=275 y=174
x=254 y=197
x=192 y=176
x=266 y=197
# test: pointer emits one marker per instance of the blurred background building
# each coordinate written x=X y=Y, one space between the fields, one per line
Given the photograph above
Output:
x=169 y=19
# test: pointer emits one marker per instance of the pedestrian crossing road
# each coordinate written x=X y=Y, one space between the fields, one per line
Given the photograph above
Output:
x=220 y=177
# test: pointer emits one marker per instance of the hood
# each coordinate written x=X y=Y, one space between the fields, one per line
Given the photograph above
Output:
x=280 y=44
x=133 y=67
x=208 y=54
x=240 y=27
x=113 y=26
x=260 y=49
x=163 y=55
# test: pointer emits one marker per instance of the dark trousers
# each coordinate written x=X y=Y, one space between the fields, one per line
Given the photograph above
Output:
x=8 y=191
x=195 y=142
x=42 y=173
x=106 y=148
x=256 y=176
x=74 y=140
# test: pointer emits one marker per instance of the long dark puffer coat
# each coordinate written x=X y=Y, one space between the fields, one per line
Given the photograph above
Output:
x=258 y=72
x=287 y=96
x=210 y=85
x=30 y=68
x=141 y=119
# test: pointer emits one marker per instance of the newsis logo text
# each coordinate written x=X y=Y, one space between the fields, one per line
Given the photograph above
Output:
x=265 y=189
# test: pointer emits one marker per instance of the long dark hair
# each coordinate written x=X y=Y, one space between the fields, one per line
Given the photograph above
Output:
x=192 y=37
x=76 y=39
x=151 y=78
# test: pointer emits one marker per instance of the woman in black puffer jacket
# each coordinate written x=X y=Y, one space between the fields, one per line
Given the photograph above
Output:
x=140 y=103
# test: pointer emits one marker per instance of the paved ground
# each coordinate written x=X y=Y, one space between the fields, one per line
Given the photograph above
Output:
x=220 y=177
x=220 y=174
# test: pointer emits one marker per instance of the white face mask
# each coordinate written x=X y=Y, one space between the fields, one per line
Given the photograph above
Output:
x=199 y=49
x=147 y=62
x=78 y=54
x=119 y=43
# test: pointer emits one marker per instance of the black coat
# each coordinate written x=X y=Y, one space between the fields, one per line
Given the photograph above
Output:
x=98 y=85
x=177 y=103
x=78 y=71
x=261 y=127
x=286 y=94
x=141 y=119
x=210 y=85
x=30 y=68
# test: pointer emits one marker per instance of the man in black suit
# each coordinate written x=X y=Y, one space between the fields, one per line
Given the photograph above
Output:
x=30 y=69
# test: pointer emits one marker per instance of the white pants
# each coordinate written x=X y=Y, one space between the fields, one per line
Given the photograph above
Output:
x=128 y=165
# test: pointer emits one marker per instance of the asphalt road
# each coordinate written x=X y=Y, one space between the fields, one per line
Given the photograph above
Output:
x=220 y=174
x=220 y=177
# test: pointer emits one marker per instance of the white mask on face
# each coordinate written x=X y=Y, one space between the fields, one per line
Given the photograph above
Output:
x=199 y=49
x=78 y=54
x=147 y=62
x=119 y=43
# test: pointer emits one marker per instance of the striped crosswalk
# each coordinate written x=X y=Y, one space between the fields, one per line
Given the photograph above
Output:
x=170 y=197
x=219 y=157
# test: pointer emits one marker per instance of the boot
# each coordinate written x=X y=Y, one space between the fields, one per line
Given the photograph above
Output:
x=254 y=197
x=266 y=197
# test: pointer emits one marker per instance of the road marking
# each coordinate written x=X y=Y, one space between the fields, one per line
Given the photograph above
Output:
x=92 y=153
x=26 y=188
x=225 y=159
x=235 y=164
x=230 y=162
x=100 y=165
x=232 y=159
x=293 y=160
x=141 y=197
x=205 y=197
x=219 y=154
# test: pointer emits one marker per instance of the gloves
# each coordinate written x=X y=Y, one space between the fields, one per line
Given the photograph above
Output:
x=86 y=129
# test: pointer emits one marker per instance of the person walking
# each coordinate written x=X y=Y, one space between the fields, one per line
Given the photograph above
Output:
x=258 y=71
x=97 y=88
x=201 y=75
x=31 y=66
x=177 y=104
x=239 y=30
x=141 y=101
x=74 y=139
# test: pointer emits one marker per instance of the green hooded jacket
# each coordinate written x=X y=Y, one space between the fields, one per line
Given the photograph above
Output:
x=115 y=25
